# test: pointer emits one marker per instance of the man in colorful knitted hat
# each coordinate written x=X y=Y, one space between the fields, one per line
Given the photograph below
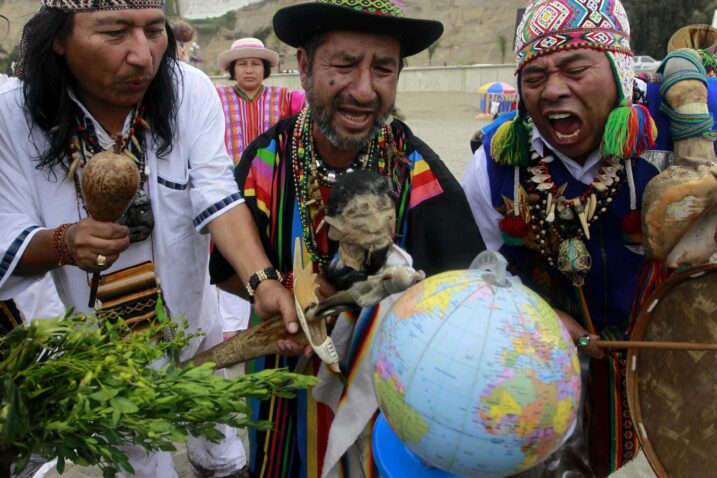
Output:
x=350 y=54
x=102 y=75
x=558 y=190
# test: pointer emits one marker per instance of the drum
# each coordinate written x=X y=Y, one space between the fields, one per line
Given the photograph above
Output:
x=671 y=392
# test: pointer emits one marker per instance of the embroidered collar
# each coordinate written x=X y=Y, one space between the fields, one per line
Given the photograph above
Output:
x=241 y=93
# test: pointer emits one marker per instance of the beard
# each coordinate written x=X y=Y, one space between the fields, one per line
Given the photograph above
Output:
x=323 y=114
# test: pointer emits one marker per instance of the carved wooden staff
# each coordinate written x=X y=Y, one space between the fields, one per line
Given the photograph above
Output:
x=257 y=341
x=109 y=183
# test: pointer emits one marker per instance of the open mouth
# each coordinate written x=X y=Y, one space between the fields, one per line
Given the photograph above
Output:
x=356 y=119
x=566 y=126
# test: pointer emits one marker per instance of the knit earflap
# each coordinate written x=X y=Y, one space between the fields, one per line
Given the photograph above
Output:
x=630 y=129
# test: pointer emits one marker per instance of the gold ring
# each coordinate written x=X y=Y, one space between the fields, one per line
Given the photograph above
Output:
x=101 y=260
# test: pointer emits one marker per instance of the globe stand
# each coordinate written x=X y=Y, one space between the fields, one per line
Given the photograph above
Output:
x=395 y=460
x=495 y=267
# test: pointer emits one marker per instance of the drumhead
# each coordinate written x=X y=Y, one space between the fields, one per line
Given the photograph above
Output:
x=672 y=393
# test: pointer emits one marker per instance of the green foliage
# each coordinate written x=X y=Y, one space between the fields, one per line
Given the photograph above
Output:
x=171 y=9
x=431 y=50
x=263 y=33
x=502 y=46
x=208 y=27
x=78 y=390
x=652 y=22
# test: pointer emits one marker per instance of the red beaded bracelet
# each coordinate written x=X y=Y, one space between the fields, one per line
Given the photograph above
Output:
x=62 y=252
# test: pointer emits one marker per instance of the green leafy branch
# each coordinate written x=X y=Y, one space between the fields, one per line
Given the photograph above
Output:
x=77 y=389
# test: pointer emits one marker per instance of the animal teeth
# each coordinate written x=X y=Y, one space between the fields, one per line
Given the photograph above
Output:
x=535 y=170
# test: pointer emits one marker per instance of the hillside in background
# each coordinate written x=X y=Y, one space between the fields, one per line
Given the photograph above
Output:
x=476 y=31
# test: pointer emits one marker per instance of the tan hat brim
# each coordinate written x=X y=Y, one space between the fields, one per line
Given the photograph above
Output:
x=228 y=56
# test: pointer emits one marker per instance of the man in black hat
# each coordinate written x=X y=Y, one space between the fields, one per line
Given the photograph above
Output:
x=350 y=54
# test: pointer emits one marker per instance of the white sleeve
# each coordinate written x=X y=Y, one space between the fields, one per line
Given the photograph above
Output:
x=476 y=184
x=19 y=216
x=211 y=172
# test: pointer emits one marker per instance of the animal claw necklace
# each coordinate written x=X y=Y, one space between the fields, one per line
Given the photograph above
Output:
x=311 y=173
x=543 y=218
x=85 y=144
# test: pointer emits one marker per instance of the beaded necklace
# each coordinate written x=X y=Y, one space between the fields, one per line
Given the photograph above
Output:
x=85 y=144
x=556 y=226
x=310 y=172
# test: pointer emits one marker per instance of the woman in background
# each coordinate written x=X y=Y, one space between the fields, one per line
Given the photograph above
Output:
x=250 y=108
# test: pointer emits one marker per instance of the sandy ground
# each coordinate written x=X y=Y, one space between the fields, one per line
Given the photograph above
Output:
x=446 y=122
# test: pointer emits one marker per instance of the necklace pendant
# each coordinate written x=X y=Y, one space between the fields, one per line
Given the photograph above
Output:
x=580 y=211
x=591 y=206
x=574 y=260
x=550 y=218
x=139 y=217
x=564 y=211
x=606 y=180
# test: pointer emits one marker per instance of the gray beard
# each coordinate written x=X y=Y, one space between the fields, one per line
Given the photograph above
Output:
x=322 y=120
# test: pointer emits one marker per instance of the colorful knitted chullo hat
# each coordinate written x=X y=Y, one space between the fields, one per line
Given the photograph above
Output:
x=79 y=6
x=550 y=26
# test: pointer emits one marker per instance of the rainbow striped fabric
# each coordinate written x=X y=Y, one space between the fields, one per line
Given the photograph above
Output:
x=296 y=445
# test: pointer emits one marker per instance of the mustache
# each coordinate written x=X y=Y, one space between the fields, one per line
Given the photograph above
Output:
x=345 y=99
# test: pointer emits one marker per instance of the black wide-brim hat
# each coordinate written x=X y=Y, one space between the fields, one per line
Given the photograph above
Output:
x=297 y=23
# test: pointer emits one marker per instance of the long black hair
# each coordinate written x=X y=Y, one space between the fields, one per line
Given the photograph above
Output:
x=47 y=80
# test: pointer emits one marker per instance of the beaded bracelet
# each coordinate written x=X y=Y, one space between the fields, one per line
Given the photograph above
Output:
x=62 y=252
x=268 y=273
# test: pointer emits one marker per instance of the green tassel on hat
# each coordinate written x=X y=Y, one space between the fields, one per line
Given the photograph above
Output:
x=629 y=131
x=510 y=144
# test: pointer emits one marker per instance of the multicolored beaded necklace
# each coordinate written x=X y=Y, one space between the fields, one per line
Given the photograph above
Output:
x=85 y=144
x=556 y=226
x=311 y=172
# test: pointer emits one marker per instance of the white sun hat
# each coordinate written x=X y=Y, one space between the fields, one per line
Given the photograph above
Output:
x=247 y=48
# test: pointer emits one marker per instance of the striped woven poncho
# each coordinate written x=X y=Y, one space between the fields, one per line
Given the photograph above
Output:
x=434 y=225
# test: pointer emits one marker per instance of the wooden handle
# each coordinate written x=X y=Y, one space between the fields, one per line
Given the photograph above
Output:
x=93 y=289
x=255 y=342
x=627 y=344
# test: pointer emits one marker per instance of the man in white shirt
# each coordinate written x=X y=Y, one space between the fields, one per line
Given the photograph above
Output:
x=557 y=191
x=102 y=75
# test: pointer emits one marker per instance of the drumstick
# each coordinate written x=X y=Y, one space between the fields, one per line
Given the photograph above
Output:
x=628 y=344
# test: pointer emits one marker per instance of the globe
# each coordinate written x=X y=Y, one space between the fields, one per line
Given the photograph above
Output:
x=476 y=374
